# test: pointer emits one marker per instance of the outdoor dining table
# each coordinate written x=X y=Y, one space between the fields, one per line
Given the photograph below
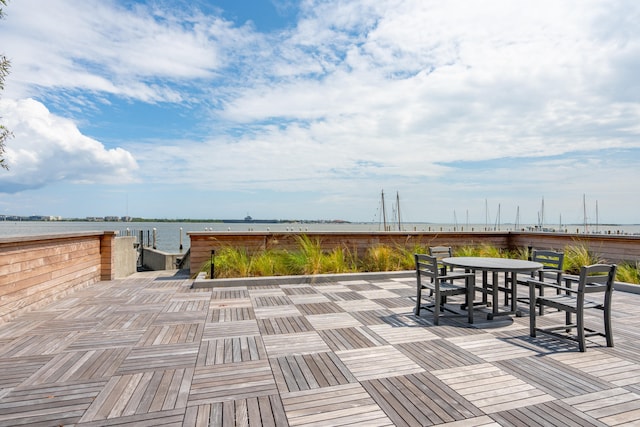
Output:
x=511 y=268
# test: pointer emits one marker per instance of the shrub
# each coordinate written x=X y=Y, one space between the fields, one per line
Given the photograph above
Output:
x=628 y=272
x=483 y=250
x=378 y=258
x=467 y=251
x=311 y=255
x=575 y=256
x=230 y=262
x=311 y=259
x=269 y=263
x=340 y=260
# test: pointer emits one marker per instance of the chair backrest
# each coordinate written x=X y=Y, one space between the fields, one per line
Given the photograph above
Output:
x=426 y=265
x=440 y=252
x=597 y=278
x=550 y=260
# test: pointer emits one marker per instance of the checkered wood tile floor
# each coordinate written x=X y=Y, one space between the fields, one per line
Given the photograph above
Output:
x=149 y=350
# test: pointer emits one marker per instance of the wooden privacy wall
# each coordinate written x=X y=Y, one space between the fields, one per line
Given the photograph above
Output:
x=614 y=248
x=38 y=269
x=203 y=242
x=611 y=247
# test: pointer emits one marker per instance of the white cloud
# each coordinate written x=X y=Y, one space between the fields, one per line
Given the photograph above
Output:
x=47 y=149
x=99 y=46
x=355 y=95
x=488 y=79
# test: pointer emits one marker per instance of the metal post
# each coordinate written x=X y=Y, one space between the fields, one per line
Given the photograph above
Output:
x=155 y=236
x=141 y=245
x=180 y=238
x=213 y=269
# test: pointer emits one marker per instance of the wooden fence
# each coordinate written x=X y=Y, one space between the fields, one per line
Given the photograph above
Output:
x=614 y=248
x=39 y=269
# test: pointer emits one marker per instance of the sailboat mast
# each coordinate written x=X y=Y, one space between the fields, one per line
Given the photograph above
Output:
x=584 y=212
x=384 y=214
x=398 y=209
x=486 y=215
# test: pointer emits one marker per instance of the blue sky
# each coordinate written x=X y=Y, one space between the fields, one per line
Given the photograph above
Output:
x=307 y=109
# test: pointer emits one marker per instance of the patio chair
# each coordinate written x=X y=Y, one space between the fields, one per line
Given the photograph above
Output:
x=441 y=252
x=442 y=286
x=597 y=278
x=551 y=272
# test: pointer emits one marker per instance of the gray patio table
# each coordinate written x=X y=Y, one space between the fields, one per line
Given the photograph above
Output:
x=511 y=268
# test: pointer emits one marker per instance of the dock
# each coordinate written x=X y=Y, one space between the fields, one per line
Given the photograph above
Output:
x=150 y=350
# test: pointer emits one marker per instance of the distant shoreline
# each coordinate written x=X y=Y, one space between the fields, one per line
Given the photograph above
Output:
x=7 y=218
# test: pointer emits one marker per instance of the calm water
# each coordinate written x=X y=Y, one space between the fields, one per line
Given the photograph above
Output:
x=170 y=234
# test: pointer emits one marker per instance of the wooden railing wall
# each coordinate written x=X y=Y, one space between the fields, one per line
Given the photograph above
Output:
x=38 y=269
x=613 y=248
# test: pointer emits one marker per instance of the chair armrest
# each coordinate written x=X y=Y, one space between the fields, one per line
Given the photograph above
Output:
x=569 y=278
x=550 y=285
x=456 y=276
x=551 y=274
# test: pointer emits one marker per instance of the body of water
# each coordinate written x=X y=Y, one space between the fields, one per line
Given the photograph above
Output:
x=169 y=235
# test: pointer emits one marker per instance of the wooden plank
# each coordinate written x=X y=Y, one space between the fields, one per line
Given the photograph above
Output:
x=399 y=409
x=438 y=354
x=159 y=357
x=230 y=350
x=319 y=308
x=48 y=405
x=332 y=321
x=348 y=338
x=289 y=344
x=338 y=405
x=377 y=362
x=552 y=377
x=284 y=325
x=15 y=370
x=224 y=383
x=375 y=316
x=257 y=411
x=230 y=329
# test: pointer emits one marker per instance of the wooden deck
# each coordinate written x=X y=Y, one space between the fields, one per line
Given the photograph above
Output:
x=148 y=350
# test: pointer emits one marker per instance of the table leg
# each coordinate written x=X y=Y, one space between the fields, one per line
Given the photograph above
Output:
x=494 y=297
x=514 y=293
x=484 y=286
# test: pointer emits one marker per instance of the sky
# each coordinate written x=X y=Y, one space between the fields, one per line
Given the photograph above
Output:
x=469 y=111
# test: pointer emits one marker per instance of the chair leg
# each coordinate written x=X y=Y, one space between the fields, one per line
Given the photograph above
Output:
x=470 y=294
x=541 y=294
x=506 y=284
x=418 y=298
x=485 y=287
x=580 y=327
x=532 y=311
x=608 y=332
x=436 y=308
